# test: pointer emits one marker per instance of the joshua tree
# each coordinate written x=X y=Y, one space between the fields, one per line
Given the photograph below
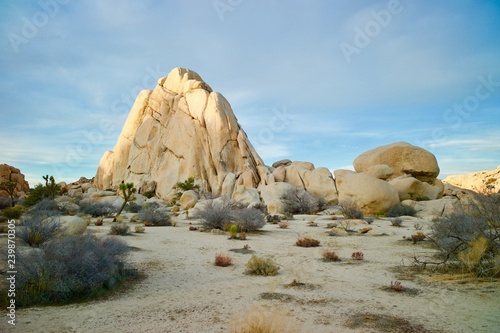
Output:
x=9 y=186
x=127 y=193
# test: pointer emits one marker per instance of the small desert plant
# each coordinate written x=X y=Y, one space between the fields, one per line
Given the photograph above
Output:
x=215 y=214
x=397 y=286
x=417 y=237
x=222 y=260
x=300 y=202
x=330 y=255
x=133 y=207
x=397 y=222
x=369 y=220
x=346 y=225
x=307 y=242
x=152 y=216
x=418 y=226
x=70 y=268
x=97 y=209
x=233 y=231
x=358 y=255
x=350 y=209
x=263 y=320
x=401 y=210
x=121 y=229
x=261 y=266
x=36 y=230
x=283 y=225
x=99 y=221
x=13 y=212
x=243 y=235
x=139 y=229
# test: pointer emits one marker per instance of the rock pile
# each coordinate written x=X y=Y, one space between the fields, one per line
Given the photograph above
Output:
x=9 y=173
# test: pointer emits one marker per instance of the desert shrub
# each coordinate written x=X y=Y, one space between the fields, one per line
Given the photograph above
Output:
x=152 y=216
x=261 y=266
x=397 y=286
x=300 y=202
x=260 y=319
x=222 y=260
x=215 y=214
x=97 y=209
x=401 y=210
x=283 y=225
x=133 y=207
x=262 y=207
x=139 y=229
x=120 y=229
x=35 y=231
x=369 y=220
x=358 y=255
x=149 y=194
x=417 y=237
x=330 y=255
x=350 y=209
x=40 y=192
x=233 y=231
x=13 y=212
x=249 y=219
x=397 y=222
x=44 y=205
x=70 y=268
x=472 y=237
x=307 y=242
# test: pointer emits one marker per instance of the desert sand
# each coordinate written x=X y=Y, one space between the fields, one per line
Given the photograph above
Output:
x=183 y=291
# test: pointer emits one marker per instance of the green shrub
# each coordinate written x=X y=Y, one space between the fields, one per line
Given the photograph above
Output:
x=40 y=192
x=401 y=210
x=70 y=268
x=13 y=212
x=261 y=266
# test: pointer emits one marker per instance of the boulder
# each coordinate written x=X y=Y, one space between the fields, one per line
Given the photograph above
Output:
x=380 y=171
x=274 y=192
x=403 y=158
x=188 y=199
x=275 y=207
x=279 y=174
x=412 y=188
x=435 y=208
x=180 y=129
x=10 y=173
x=246 y=196
x=285 y=162
x=70 y=225
x=319 y=182
x=68 y=207
x=371 y=194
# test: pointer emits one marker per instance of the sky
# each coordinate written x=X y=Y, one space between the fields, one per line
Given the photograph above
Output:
x=319 y=81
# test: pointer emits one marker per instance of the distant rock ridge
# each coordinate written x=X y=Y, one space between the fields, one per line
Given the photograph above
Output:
x=487 y=181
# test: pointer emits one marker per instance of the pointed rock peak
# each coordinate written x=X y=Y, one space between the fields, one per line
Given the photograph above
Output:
x=182 y=80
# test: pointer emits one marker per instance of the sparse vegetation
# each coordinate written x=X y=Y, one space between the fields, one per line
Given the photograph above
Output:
x=261 y=266
x=330 y=255
x=397 y=222
x=223 y=260
x=153 y=216
x=417 y=237
x=120 y=229
x=264 y=320
x=301 y=202
x=70 y=268
x=139 y=229
x=307 y=241
x=397 y=286
x=369 y=219
x=97 y=209
x=133 y=207
x=13 y=212
x=400 y=210
x=358 y=255
x=35 y=230
x=350 y=209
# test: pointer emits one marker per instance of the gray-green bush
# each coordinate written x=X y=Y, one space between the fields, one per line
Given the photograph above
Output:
x=35 y=230
x=214 y=214
x=350 y=209
x=71 y=268
x=97 y=209
x=153 y=216
x=249 y=219
x=301 y=202
x=401 y=210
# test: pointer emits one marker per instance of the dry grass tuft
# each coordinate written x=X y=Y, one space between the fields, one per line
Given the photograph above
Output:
x=260 y=319
x=384 y=323
x=222 y=260
x=330 y=255
x=307 y=242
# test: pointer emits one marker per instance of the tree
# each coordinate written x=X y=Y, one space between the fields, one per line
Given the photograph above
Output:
x=9 y=186
x=127 y=193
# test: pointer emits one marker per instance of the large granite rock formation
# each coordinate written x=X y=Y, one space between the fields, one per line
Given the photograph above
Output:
x=482 y=181
x=181 y=129
x=9 y=173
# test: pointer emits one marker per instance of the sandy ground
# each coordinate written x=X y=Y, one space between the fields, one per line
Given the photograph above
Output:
x=184 y=291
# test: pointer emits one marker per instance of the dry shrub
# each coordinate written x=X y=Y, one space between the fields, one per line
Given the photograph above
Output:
x=330 y=255
x=350 y=209
x=307 y=242
x=397 y=286
x=471 y=256
x=357 y=255
x=222 y=260
x=283 y=225
x=260 y=319
x=120 y=229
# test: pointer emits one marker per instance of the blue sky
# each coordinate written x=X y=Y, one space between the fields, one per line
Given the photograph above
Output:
x=319 y=81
